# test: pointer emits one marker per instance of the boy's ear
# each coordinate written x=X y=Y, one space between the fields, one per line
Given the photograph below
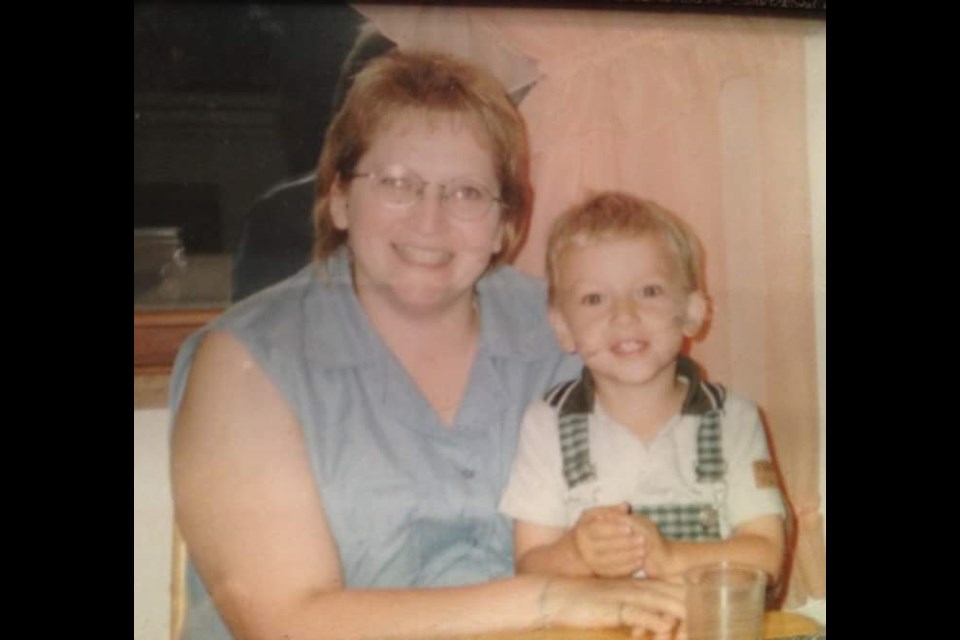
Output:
x=338 y=206
x=560 y=327
x=696 y=313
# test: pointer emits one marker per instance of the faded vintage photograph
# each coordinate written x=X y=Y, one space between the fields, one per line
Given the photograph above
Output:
x=462 y=320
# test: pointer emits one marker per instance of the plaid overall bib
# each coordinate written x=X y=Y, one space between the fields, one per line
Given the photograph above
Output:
x=699 y=521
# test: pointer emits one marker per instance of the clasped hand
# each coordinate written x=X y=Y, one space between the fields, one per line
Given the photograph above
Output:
x=615 y=543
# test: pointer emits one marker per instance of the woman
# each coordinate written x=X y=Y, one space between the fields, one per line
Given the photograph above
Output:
x=343 y=437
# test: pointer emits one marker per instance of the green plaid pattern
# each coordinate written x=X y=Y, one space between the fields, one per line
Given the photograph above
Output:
x=710 y=463
x=690 y=522
x=575 y=399
x=575 y=447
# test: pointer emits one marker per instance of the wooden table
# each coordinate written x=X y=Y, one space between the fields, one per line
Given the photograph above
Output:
x=776 y=624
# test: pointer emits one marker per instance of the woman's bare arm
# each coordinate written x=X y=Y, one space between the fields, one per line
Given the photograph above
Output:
x=249 y=510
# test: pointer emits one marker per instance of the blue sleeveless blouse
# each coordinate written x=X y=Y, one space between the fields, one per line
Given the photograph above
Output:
x=410 y=502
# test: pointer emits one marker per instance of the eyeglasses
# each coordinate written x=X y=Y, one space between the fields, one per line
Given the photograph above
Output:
x=464 y=199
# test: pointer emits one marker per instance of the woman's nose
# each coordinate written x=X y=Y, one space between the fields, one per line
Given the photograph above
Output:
x=428 y=212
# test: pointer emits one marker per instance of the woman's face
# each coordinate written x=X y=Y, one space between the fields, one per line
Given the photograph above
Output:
x=419 y=258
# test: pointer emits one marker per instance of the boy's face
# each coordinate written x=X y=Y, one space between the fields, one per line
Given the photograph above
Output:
x=622 y=305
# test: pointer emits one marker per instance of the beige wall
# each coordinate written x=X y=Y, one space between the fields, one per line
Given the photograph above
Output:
x=152 y=526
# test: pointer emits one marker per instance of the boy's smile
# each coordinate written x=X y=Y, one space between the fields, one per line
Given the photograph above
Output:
x=622 y=305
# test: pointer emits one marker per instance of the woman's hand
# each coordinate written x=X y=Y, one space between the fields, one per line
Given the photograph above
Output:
x=643 y=605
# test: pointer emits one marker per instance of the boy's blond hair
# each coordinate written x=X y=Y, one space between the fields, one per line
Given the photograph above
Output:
x=614 y=215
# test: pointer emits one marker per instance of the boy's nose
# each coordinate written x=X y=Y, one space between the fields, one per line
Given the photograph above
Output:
x=626 y=310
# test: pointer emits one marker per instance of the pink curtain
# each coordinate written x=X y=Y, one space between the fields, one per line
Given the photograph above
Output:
x=706 y=115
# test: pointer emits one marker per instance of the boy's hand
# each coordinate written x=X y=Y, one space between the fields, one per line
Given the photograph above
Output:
x=608 y=542
x=658 y=560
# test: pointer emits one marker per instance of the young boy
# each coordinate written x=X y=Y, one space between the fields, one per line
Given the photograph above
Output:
x=640 y=467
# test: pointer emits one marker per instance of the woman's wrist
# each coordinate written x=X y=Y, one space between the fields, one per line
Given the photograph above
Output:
x=544 y=618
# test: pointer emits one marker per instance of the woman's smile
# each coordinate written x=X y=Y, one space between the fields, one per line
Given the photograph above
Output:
x=423 y=257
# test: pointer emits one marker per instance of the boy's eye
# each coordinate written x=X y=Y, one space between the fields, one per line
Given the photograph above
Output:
x=651 y=291
x=591 y=299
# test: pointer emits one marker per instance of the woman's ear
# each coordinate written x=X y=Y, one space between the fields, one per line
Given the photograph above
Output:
x=696 y=313
x=498 y=238
x=338 y=205
x=560 y=327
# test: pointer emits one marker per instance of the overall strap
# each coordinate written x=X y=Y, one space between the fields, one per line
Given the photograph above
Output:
x=711 y=466
x=700 y=521
x=574 y=402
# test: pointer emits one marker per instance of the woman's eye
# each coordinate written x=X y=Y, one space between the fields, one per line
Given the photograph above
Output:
x=467 y=192
x=591 y=299
x=651 y=291
x=396 y=183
